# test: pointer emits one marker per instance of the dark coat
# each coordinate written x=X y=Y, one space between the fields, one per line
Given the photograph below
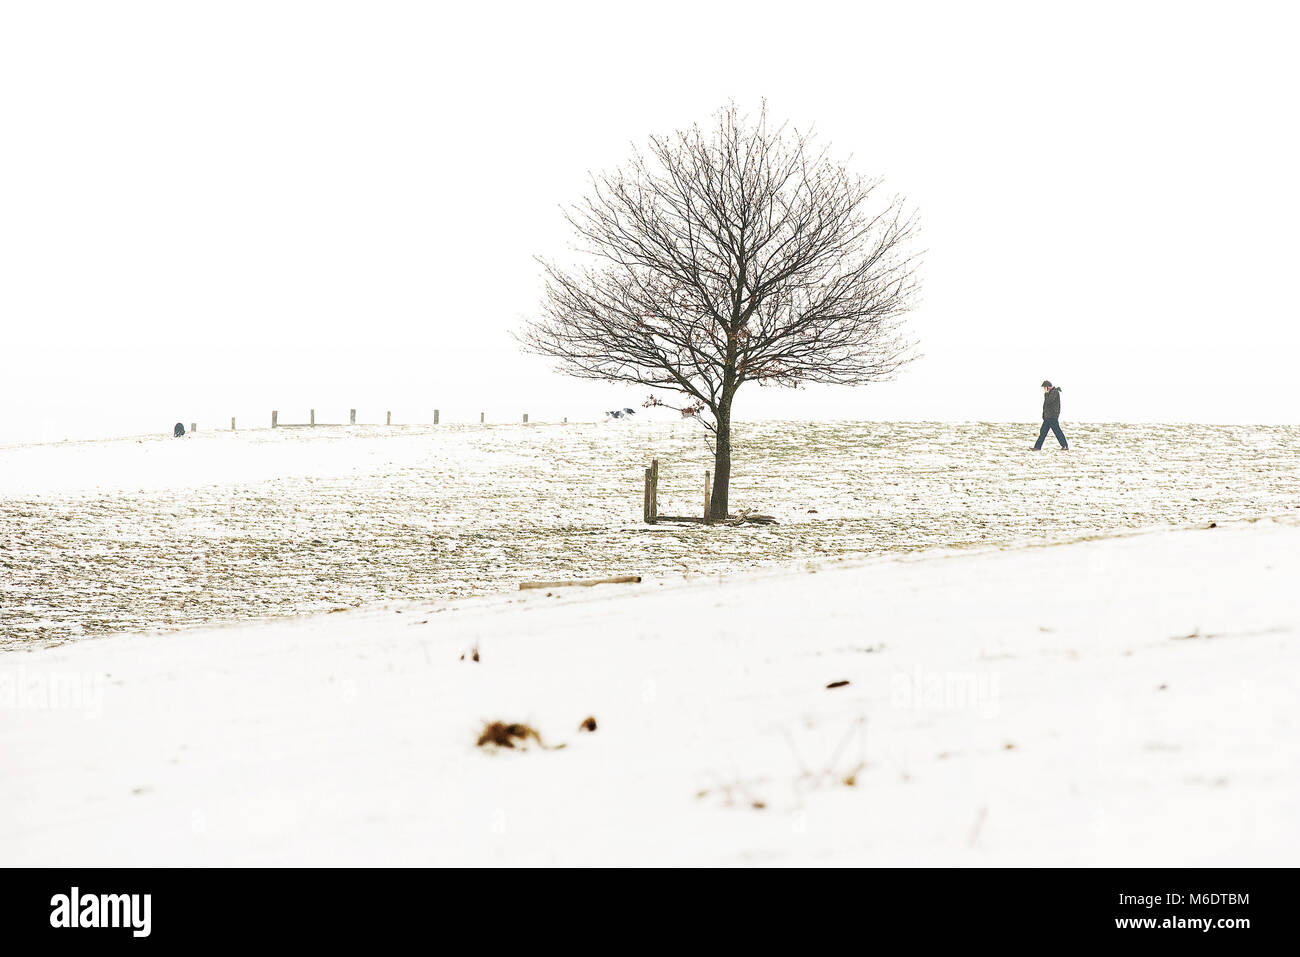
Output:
x=1052 y=403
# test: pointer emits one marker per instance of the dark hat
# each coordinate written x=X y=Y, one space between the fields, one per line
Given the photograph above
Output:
x=1047 y=384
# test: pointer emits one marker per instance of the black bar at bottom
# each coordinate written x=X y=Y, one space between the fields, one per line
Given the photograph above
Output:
x=864 y=908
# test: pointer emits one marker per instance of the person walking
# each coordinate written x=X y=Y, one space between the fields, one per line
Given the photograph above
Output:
x=1051 y=416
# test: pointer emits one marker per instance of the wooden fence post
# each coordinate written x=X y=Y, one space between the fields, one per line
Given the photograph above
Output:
x=232 y=423
x=481 y=418
x=708 y=492
x=389 y=419
x=435 y=416
x=275 y=419
x=654 y=490
x=646 y=507
x=194 y=427
x=313 y=416
x=352 y=417
x=525 y=418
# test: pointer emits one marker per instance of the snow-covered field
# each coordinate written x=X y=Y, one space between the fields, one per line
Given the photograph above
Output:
x=1124 y=701
x=127 y=535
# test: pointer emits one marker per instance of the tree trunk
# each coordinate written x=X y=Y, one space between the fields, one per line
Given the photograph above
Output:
x=721 y=464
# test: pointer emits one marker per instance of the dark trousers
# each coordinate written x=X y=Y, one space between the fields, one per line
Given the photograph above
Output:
x=1051 y=425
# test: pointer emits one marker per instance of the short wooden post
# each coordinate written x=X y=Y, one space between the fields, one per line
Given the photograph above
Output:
x=275 y=419
x=481 y=418
x=352 y=417
x=388 y=420
x=194 y=427
x=708 y=491
x=646 y=506
x=313 y=416
x=566 y=420
x=232 y=423
x=654 y=490
x=435 y=416
x=525 y=418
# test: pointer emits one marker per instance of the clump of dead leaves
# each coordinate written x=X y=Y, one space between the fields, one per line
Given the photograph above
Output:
x=499 y=734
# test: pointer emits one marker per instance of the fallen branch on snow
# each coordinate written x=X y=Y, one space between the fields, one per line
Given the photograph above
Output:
x=584 y=582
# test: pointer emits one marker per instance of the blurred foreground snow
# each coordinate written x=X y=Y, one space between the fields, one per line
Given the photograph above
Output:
x=1129 y=701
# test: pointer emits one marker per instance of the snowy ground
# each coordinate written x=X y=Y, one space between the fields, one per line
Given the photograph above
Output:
x=127 y=535
x=1127 y=701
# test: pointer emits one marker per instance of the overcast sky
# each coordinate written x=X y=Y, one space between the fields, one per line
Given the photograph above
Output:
x=217 y=209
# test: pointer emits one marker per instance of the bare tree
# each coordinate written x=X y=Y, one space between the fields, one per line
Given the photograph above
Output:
x=743 y=254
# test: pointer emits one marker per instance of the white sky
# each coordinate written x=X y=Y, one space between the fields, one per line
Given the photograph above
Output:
x=216 y=209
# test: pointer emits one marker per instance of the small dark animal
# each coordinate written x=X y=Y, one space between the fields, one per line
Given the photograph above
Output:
x=178 y=431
